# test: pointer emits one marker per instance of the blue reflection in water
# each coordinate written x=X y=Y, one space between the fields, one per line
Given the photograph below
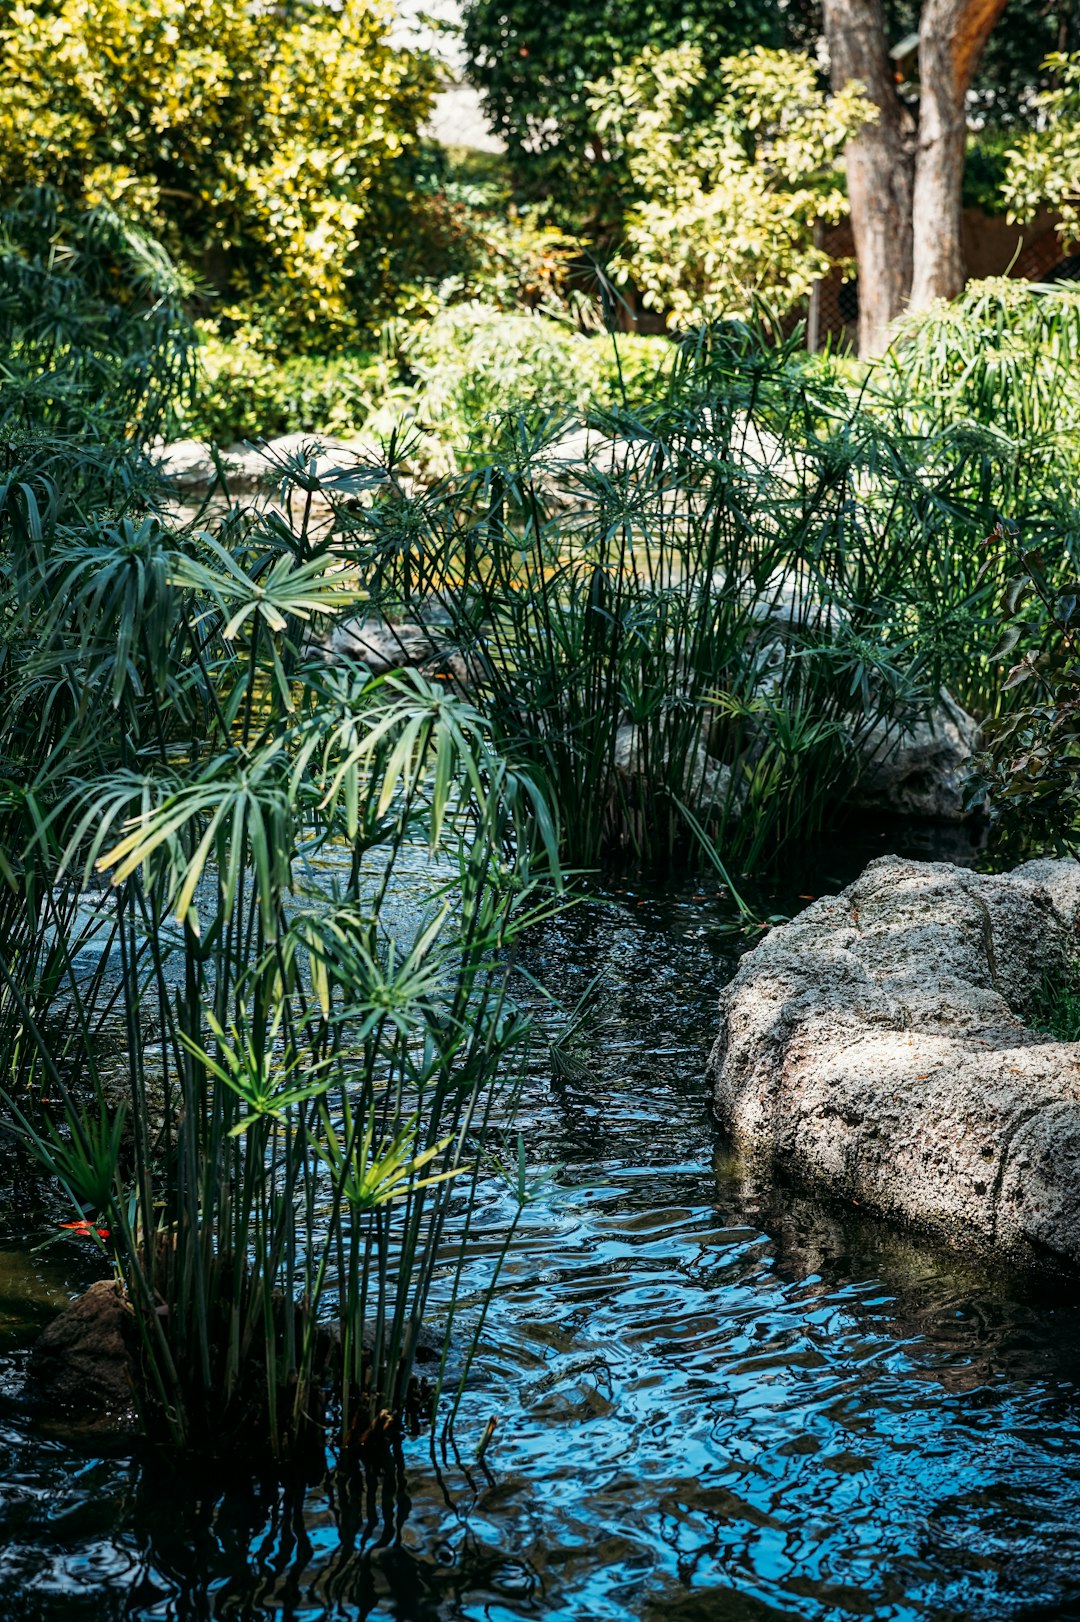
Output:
x=717 y=1400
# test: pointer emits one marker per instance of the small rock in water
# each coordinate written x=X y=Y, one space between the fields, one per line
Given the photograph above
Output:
x=81 y=1366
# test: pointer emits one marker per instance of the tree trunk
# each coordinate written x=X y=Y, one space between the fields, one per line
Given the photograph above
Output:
x=952 y=34
x=879 y=173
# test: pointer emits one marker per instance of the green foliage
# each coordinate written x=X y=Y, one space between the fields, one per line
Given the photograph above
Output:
x=534 y=65
x=474 y=367
x=456 y=374
x=1057 y=1008
x=1004 y=355
x=256 y=1093
x=1031 y=770
x=318 y=1081
x=1000 y=367
x=242 y=392
x=985 y=166
x=705 y=623
x=93 y=339
x=725 y=206
x=1044 y=166
x=266 y=147
x=492 y=249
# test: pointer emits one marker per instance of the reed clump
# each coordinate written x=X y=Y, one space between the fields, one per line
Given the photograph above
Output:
x=278 y=901
x=260 y=890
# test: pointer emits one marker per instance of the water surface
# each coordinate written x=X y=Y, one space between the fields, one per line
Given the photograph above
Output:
x=717 y=1400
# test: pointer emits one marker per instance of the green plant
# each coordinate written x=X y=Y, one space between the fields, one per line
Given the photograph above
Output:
x=716 y=612
x=1042 y=169
x=94 y=341
x=1002 y=357
x=317 y=1082
x=533 y=68
x=725 y=206
x=267 y=148
x=242 y=392
x=261 y=1098
x=1057 y=1008
x=1030 y=769
x=455 y=372
x=474 y=367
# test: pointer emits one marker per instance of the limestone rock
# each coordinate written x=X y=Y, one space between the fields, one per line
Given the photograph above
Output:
x=385 y=645
x=706 y=782
x=876 y=1048
x=261 y=464
x=187 y=463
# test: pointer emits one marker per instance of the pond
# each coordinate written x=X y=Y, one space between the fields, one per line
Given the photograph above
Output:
x=715 y=1398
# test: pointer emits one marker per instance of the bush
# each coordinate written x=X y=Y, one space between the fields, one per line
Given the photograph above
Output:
x=1005 y=356
x=244 y=393
x=700 y=635
x=455 y=375
x=726 y=202
x=94 y=342
x=533 y=65
x=266 y=1106
x=267 y=146
x=473 y=365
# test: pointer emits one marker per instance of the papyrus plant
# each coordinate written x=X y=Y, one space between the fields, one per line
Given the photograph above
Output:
x=264 y=1098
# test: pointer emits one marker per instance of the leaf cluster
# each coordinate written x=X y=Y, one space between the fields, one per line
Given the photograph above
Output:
x=268 y=148
x=724 y=206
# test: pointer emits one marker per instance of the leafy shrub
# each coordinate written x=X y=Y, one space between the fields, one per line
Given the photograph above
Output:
x=725 y=204
x=264 y=1104
x=1032 y=765
x=266 y=146
x=243 y=393
x=455 y=374
x=1043 y=169
x=533 y=65
x=473 y=362
x=1005 y=356
x=698 y=632
x=94 y=342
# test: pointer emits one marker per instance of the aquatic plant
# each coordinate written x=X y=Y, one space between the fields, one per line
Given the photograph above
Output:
x=262 y=1099
x=213 y=1036
x=719 y=604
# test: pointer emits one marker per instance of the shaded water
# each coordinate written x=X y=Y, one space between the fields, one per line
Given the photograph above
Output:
x=716 y=1400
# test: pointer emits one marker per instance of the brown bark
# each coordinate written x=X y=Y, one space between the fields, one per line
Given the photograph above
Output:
x=879 y=175
x=952 y=34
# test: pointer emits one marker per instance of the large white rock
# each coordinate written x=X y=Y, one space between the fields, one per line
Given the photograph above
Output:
x=875 y=1047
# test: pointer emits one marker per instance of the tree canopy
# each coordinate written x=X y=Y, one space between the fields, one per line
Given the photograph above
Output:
x=534 y=65
x=726 y=205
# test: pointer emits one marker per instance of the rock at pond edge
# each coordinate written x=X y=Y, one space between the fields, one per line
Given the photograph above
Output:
x=876 y=1048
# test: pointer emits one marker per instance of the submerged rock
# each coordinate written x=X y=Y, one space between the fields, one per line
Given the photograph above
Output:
x=81 y=1366
x=877 y=1047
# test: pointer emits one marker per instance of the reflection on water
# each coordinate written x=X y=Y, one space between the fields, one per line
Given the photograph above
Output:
x=717 y=1400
